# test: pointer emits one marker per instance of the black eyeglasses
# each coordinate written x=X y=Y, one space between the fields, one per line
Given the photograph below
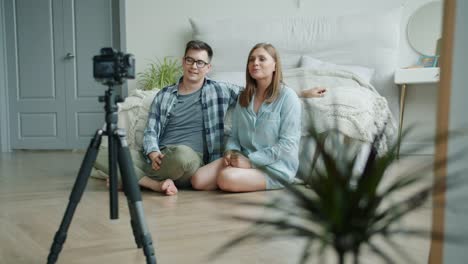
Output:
x=191 y=61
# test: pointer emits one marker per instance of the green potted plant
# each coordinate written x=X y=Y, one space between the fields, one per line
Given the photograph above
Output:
x=343 y=210
x=159 y=74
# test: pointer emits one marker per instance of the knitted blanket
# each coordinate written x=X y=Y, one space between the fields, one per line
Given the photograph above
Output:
x=351 y=105
x=133 y=115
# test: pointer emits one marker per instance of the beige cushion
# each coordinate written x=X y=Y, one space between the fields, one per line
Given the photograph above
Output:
x=133 y=115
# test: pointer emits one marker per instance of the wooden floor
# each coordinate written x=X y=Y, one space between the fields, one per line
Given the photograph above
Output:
x=34 y=191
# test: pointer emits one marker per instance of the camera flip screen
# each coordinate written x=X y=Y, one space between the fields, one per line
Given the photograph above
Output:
x=104 y=69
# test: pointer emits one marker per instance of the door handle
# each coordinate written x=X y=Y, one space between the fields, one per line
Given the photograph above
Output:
x=69 y=56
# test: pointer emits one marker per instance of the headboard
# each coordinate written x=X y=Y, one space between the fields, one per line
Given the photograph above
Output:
x=369 y=40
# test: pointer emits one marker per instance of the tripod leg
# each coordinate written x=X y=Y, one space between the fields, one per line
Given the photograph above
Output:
x=132 y=191
x=75 y=196
x=113 y=180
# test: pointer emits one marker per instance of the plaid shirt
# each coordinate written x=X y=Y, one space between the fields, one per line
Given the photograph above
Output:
x=216 y=98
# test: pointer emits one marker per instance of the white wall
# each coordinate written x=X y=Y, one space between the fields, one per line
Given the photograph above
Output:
x=158 y=28
x=456 y=211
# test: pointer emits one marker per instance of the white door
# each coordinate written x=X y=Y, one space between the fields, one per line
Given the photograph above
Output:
x=53 y=97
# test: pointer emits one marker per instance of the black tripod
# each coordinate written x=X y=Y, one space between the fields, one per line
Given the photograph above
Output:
x=117 y=147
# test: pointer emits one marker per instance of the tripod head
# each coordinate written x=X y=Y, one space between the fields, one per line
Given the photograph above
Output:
x=110 y=100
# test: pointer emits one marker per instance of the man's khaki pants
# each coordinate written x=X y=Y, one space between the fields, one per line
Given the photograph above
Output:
x=179 y=163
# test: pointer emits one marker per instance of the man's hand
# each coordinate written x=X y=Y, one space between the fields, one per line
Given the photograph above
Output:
x=313 y=92
x=156 y=159
x=236 y=159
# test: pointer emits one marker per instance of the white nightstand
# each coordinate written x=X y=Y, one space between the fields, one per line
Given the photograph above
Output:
x=404 y=77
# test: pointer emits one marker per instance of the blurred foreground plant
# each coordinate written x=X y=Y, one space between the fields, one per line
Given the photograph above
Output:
x=346 y=209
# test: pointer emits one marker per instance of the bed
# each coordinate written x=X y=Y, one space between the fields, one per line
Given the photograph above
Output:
x=354 y=55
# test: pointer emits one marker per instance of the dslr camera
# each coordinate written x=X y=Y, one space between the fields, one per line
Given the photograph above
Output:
x=112 y=67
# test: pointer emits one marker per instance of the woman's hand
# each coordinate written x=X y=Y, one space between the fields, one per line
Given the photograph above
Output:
x=227 y=158
x=240 y=161
x=236 y=159
x=313 y=92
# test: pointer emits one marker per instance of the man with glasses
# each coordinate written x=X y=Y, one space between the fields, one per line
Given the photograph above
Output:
x=185 y=128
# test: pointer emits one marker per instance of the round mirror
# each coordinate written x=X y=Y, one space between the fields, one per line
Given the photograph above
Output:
x=424 y=28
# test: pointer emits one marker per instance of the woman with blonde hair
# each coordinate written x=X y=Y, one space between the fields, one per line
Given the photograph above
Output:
x=265 y=133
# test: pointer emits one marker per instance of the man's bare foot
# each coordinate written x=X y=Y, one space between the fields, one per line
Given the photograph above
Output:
x=119 y=185
x=167 y=186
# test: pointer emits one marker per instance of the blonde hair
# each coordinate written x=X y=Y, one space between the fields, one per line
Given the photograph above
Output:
x=251 y=84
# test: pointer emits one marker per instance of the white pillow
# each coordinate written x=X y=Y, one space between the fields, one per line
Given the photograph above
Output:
x=237 y=77
x=363 y=72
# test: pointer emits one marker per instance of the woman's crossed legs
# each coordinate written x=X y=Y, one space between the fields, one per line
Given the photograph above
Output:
x=230 y=179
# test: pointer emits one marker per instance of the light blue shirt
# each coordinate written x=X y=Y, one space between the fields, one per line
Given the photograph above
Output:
x=269 y=138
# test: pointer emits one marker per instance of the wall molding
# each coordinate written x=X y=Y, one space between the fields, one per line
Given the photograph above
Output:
x=4 y=106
